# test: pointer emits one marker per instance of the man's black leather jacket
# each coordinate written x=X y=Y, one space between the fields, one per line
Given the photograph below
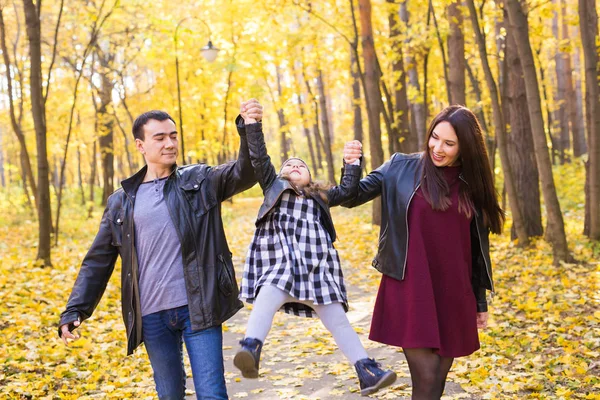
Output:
x=193 y=195
x=273 y=186
x=396 y=181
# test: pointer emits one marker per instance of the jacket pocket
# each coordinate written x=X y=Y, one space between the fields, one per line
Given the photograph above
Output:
x=116 y=226
x=225 y=275
x=198 y=196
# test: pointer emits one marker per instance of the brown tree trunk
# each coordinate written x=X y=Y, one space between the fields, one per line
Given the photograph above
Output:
x=425 y=74
x=25 y=186
x=520 y=143
x=555 y=231
x=576 y=124
x=93 y=173
x=578 y=135
x=490 y=140
x=416 y=105
x=131 y=169
x=456 y=54
x=588 y=18
x=442 y=51
x=325 y=126
x=38 y=110
x=80 y=176
x=549 y=117
x=15 y=122
x=407 y=141
x=225 y=147
x=373 y=105
x=315 y=125
x=2 y=178
x=356 y=100
x=561 y=117
x=301 y=102
x=105 y=131
x=499 y=126
x=283 y=128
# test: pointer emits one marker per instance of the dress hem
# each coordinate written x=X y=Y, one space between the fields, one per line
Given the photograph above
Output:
x=422 y=346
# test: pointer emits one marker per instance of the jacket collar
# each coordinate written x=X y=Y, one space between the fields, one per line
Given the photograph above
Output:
x=131 y=184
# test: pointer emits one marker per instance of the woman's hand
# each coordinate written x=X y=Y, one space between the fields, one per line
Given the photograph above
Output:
x=482 y=319
x=352 y=151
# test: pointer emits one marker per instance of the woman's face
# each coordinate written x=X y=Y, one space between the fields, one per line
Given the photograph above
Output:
x=297 y=172
x=443 y=145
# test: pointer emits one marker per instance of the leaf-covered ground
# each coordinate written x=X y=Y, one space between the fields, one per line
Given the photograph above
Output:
x=543 y=340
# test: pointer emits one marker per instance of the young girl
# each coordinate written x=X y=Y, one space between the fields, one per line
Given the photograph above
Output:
x=292 y=265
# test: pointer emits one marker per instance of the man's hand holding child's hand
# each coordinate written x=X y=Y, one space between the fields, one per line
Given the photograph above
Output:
x=251 y=111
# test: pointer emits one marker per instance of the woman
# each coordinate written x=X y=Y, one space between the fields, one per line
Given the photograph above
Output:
x=438 y=208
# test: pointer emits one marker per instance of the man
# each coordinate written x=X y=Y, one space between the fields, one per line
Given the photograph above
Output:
x=178 y=281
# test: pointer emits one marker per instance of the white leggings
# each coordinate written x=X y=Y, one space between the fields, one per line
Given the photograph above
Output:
x=271 y=298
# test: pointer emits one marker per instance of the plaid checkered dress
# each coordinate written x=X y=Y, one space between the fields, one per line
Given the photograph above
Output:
x=292 y=251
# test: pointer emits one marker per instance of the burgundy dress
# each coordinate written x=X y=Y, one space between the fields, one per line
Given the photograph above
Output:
x=434 y=306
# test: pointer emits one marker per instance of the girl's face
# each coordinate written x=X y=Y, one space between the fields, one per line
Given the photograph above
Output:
x=297 y=172
x=443 y=145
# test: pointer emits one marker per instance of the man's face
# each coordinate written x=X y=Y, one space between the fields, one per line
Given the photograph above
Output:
x=159 y=146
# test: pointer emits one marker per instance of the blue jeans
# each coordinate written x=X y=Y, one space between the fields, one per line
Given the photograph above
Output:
x=163 y=333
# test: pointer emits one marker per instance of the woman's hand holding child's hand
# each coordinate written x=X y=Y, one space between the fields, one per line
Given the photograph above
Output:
x=352 y=151
x=251 y=111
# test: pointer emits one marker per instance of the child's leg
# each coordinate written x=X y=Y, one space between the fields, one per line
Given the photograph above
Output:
x=335 y=320
x=269 y=300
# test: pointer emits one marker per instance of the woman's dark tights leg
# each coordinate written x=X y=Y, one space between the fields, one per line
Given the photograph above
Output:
x=428 y=372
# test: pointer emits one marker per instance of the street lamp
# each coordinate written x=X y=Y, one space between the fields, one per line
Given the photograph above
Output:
x=209 y=52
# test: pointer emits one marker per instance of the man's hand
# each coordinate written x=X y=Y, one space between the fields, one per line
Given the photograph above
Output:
x=482 y=318
x=251 y=111
x=352 y=151
x=65 y=334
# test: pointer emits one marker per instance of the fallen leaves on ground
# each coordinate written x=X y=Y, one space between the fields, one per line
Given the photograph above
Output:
x=543 y=341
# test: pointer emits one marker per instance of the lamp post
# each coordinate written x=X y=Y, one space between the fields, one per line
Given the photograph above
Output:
x=209 y=52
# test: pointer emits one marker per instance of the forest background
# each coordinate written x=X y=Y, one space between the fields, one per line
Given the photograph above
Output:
x=74 y=75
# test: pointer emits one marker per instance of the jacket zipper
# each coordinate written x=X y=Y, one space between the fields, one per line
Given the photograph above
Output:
x=406 y=219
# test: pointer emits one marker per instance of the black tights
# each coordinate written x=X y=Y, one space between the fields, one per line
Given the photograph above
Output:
x=428 y=372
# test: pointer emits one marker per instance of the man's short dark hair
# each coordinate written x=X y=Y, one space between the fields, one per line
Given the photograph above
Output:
x=138 y=124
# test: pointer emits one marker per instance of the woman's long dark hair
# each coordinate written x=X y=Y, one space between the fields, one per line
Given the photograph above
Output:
x=479 y=192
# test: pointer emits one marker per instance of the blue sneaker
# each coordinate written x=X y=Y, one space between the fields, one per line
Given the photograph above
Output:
x=248 y=357
x=372 y=377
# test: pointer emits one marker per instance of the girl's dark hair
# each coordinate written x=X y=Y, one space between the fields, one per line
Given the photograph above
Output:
x=314 y=188
x=479 y=192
